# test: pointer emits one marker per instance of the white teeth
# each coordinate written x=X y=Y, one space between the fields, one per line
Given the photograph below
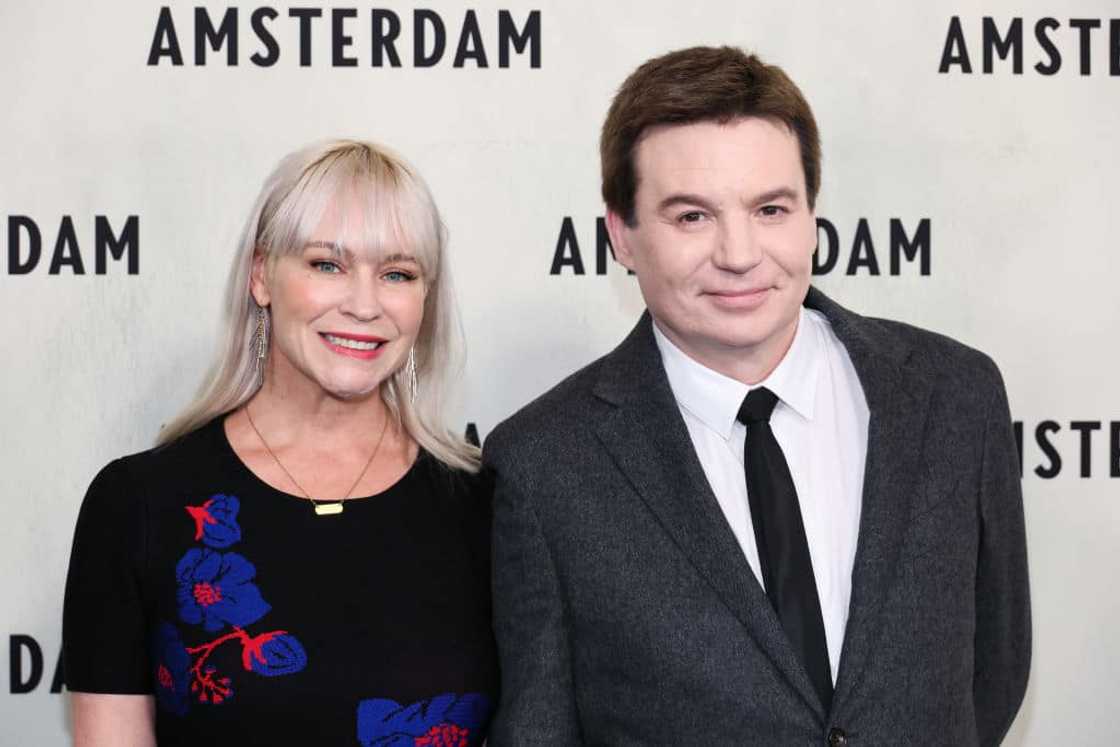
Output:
x=343 y=342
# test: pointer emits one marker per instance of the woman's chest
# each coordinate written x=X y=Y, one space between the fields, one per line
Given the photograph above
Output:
x=270 y=620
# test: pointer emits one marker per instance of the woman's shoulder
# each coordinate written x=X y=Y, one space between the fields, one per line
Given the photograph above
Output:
x=456 y=480
x=185 y=455
x=467 y=497
x=468 y=493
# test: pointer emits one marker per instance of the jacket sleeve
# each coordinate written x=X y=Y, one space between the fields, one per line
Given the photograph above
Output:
x=537 y=704
x=1003 y=618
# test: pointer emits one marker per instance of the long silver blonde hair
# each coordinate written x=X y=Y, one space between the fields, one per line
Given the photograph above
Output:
x=399 y=210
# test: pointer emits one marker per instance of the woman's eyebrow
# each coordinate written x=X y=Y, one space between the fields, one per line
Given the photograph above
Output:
x=335 y=247
x=340 y=250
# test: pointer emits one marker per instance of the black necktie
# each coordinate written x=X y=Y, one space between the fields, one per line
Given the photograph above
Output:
x=783 y=553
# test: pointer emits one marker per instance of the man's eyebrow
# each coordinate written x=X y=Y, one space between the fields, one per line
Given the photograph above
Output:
x=781 y=193
x=690 y=198
x=686 y=198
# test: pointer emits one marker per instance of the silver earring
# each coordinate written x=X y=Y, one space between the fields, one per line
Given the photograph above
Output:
x=260 y=338
x=410 y=368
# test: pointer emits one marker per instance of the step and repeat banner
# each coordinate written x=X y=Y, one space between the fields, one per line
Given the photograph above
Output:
x=969 y=187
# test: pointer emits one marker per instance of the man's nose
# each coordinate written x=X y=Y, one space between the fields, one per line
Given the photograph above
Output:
x=740 y=245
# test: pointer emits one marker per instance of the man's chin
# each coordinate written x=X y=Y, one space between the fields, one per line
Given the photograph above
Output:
x=742 y=343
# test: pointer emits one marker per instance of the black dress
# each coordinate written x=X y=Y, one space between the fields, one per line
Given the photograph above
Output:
x=254 y=621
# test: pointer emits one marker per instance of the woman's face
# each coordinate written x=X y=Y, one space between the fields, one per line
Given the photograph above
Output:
x=342 y=319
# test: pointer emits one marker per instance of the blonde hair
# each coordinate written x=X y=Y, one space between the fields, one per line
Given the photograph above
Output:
x=398 y=210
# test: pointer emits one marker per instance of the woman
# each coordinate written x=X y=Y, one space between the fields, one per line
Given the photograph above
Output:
x=304 y=558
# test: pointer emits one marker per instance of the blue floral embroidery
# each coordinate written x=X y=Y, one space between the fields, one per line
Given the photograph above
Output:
x=273 y=654
x=447 y=719
x=172 y=674
x=215 y=590
x=215 y=521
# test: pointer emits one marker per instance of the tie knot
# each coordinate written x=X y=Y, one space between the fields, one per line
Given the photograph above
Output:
x=757 y=406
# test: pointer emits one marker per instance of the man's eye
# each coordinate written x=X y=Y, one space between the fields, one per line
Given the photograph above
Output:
x=692 y=216
x=323 y=265
x=772 y=211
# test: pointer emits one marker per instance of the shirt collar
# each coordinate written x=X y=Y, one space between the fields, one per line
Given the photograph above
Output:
x=715 y=399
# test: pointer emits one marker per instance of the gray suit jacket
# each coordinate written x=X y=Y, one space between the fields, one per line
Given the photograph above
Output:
x=626 y=613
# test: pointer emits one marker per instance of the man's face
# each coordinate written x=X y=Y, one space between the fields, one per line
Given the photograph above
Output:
x=723 y=240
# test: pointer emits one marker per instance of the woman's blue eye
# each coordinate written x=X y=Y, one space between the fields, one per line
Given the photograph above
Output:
x=326 y=266
x=398 y=276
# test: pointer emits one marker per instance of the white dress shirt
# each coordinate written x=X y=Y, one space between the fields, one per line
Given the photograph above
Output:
x=820 y=422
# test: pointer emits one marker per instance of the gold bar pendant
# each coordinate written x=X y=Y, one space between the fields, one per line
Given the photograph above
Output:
x=328 y=509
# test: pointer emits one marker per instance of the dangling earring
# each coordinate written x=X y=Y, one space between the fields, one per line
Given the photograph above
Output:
x=260 y=338
x=410 y=368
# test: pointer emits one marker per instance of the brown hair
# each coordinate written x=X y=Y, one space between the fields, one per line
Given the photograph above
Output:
x=695 y=85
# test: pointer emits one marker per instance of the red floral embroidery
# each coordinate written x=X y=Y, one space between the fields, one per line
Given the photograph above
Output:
x=206 y=595
x=444 y=735
x=201 y=516
x=270 y=654
x=208 y=687
x=252 y=649
x=164 y=677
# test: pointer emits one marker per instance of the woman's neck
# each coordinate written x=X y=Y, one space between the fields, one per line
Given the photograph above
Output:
x=290 y=416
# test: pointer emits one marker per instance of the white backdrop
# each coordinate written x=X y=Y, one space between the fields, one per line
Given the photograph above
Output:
x=1015 y=174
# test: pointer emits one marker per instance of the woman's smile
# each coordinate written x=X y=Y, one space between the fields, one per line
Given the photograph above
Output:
x=363 y=347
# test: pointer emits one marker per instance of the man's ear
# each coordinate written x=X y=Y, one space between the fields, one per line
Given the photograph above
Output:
x=620 y=239
x=814 y=237
x=258 y=280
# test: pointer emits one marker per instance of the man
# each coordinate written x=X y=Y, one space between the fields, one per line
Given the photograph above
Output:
x=762 y=519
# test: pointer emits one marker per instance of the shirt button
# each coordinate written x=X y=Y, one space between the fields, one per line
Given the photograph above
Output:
x=837 y=737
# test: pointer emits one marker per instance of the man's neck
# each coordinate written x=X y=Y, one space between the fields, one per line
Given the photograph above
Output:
x=747 y=365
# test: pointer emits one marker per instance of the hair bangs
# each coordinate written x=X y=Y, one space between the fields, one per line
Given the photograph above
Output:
x=397 y=218
x=377 y=207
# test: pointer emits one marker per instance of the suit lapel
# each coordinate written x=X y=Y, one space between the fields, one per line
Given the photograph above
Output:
x=647 y=439
x=898 y=404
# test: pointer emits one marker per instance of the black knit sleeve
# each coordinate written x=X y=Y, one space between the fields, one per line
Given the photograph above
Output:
x=105 y=644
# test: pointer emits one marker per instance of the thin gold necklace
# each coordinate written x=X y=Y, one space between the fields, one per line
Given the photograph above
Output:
x=322 y=508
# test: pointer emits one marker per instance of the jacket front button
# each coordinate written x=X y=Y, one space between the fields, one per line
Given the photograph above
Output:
x=837 y=738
